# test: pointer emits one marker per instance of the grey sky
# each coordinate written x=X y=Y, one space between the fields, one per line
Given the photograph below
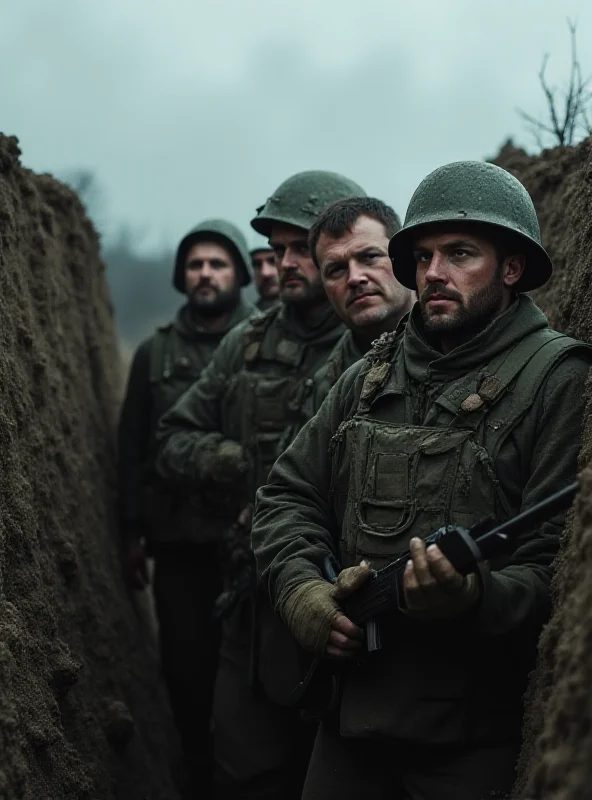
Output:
x=194 y=108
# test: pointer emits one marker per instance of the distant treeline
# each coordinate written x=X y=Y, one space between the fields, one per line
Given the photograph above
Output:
x=141 y=287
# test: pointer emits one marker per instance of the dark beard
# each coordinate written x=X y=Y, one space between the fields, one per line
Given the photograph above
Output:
x=314 y=293
x=222 y=303
x=471 y=317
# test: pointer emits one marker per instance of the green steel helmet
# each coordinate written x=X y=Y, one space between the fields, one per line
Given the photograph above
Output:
x=222 y=232
x=300 y=199
x=264 y=248
x=471 y=192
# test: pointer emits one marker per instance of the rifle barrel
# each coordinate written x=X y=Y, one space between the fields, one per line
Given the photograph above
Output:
x=528 y=519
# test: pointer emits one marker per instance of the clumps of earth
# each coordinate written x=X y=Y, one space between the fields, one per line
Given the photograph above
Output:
x=83 y=712
x=556 y=762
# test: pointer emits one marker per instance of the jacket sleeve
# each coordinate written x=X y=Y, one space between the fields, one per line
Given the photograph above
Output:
x=520 y=592
x=294 y=526
x=192 y=428
x=134 y=440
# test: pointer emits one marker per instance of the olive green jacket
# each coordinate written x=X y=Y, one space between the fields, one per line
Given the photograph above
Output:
x=346 y=352
x=163 y=367
x=254 y=388
x=448 y=683
x=265 y=303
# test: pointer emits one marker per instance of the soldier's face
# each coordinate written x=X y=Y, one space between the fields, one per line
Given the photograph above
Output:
x=265 y=273
x=211 y=281
x=461 y=281
x=299 y=279
x=358 y=277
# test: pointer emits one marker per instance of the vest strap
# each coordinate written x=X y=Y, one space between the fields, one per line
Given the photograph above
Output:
x=161 y=360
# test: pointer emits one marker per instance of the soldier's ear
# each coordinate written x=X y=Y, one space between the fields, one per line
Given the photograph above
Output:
x=512 y=268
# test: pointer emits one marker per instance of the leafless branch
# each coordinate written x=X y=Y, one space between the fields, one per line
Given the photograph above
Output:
x=569 y=113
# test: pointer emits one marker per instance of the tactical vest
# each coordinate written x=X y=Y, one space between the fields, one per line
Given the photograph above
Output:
x=392 y=481
x=271 y=390
x=175 y=364
x=264 y=408
x=408 y=480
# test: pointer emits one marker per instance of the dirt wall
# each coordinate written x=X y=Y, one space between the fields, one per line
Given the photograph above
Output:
x=557 y=757
x=82 y=709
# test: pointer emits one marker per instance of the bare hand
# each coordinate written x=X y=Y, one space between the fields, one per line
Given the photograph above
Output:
x=432 y=586
x=346 y=638
x=135 y=564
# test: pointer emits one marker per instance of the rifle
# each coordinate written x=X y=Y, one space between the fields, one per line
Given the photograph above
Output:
x=465 y=548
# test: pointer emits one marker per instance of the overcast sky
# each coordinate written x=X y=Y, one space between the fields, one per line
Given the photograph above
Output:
x=192 y=108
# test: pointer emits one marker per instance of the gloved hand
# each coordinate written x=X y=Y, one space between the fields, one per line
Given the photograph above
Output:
x=226 y=464
x=313 y=614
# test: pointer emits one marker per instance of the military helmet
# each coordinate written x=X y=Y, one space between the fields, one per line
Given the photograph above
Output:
x=470 y=192
x=263 y=248
x=300 y=199
x=222 y=232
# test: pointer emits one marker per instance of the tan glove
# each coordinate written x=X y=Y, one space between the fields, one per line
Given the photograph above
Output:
x=311 y=608
x=226 y=464
x=308 y=611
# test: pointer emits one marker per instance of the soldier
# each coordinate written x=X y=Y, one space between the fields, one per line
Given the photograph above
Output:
x=349 y=245
x=266 y=277
x=475 y=410
x=229 y=428
x=179 y=531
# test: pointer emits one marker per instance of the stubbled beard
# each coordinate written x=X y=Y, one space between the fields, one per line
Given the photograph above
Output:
x=220 y=303
x=314 y=291
x=470 y=317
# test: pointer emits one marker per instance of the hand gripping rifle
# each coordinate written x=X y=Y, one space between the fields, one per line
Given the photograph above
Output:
x=465 y=548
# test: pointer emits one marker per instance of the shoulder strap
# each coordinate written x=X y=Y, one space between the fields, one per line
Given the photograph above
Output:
x=517 y=376
x=160 y=359
x=381 y=358
x=254 y=333
x=528 y=384
x=470 y=398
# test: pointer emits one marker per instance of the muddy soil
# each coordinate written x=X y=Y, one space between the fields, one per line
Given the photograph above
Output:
x=82 y=709
x=557 y=757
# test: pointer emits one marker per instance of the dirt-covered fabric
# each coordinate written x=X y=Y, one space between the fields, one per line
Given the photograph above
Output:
x=82 y=712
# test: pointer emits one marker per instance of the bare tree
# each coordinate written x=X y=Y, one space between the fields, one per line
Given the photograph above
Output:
x=569 y=111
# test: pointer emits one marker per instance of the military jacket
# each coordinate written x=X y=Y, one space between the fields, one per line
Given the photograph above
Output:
x=265 y=303
x=164 y=366
x=408 y=440
x=345 y=353
x=253 y=391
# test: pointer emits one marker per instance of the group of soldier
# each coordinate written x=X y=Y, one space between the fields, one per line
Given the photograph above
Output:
x=394 y=379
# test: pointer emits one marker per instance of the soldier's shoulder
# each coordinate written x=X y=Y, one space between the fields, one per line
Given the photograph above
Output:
x=383 y=348
x=159 y=332
x=261 y=319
